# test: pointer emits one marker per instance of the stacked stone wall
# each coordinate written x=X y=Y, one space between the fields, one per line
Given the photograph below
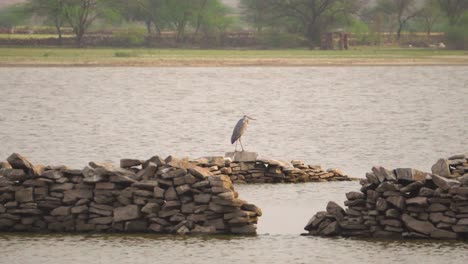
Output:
x=269 y=171
x=403 y=203
x=153 y=196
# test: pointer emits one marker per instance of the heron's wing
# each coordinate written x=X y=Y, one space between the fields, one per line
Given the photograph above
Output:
x=238 y=131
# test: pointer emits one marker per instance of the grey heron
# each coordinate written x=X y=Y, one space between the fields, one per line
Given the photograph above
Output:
x=239 y=130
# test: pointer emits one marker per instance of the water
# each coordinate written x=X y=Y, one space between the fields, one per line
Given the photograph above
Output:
x=345 y=117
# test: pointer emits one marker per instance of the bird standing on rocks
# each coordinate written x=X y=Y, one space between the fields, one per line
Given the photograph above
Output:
x=239 y=130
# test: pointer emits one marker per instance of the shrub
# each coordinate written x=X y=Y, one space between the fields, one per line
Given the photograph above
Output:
x=281 y=40
x=131 y=37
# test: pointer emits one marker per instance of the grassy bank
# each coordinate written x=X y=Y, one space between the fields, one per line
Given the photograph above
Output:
x=196 y=57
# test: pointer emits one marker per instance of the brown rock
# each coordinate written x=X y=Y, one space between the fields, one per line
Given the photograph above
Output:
x=443 y=234
x=19 y=162
x=15 y=174
x=61 y=211
x=441 y=168
x=200 y=172
x=420 y=201
x=409 y=174
x=126 y=213
x=423 y=227
x=24 y=195
x=128 y=163
x=397 y=201
x=443 y=183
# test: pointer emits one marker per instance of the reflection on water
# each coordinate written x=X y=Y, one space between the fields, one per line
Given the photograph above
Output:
x=53 y=249
x=346 y=117
x=286 y=207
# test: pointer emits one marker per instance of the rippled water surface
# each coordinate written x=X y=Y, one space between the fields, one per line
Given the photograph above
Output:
x=345 y=117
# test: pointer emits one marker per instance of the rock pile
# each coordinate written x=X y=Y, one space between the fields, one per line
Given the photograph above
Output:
x=269 y=171
x=453 y=167
x=157 y=195
x=402 y=203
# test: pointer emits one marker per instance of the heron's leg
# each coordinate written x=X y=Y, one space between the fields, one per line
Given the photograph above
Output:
x=241 y=144
x=235 y=150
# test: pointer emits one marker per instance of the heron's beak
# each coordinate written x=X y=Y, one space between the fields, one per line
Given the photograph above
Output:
x=251 y=118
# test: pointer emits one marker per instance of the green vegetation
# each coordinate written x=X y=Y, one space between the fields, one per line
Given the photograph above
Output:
x=275 y=23
x=176 y=57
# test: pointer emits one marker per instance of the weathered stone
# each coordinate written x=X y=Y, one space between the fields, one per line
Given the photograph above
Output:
x=331 y=229
x=204 y=230
x=136 y=226
x=243 y=156
x=383 y=174
x=423 y=227
x=150 y=208
x=335 y=210
x=61 y=211
x=200 y=172
x=156 y=227
x=355 y=195
x=15 y=175
x=202 y=198
x=148 y=172
x=426 y=192
x=412 y=187
x=392 y=213
x=71 y=196
x=105 y=186
x=420 y=201
x=101 y=220
x=79 y=209
x=441 y=168
x=19 y=162
x=52 y=174
x=158 y=192
x=34 y=183
x=126 y=213
x=464 y=179
x=128 y=163
x=24 y=195
x=386 y=187
x=61 y=187
x=460 y=228
x=178 y=163
x=170 y=194
x=443 y=234
x=372 y=178
x=409 y=174
x=182 y=189
x=443 y=183
x=397 y=201
x=381 y=204
x=121 y=179
x=437 y=207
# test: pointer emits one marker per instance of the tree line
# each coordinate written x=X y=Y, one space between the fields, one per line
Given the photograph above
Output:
x=194 y=18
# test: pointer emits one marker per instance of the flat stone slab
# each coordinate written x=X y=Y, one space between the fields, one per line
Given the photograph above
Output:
x=242 y=156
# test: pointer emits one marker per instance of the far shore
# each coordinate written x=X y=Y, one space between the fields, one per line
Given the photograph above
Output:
x=114 y=57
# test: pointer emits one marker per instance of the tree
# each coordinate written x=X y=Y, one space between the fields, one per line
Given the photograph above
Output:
x=12 y=16
x=147 y=11
x=402 y=11
x=258 y=13
x=454 y=9
x=52 y=11
x=80 y=14
x=314 y=17
x=429 y=15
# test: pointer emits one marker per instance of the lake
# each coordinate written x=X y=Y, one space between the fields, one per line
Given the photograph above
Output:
x=346 y=117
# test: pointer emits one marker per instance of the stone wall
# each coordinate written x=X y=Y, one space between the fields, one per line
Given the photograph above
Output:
x=155 y=196
x=403 y=203
x=255 y=170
